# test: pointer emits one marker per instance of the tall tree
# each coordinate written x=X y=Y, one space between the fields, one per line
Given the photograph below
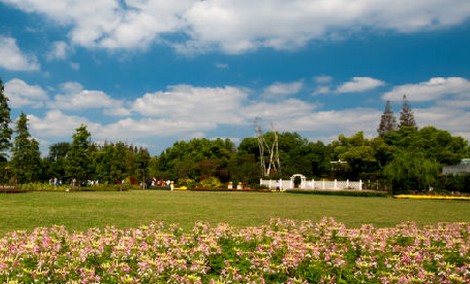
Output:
x=5 y=129
x=26 y=157
x=359 y=154
x=407 y=118
x=142 y=160
x=78 y=162
x=411 y=171
x=55 y=161
x=388 y=121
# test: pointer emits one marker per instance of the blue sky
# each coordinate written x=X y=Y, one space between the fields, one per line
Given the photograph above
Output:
x=150 y=73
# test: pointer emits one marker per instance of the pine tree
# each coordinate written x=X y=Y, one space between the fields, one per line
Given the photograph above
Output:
x=78 y=161
x=26 y=157
x=407 y=118
x=388 y=121
x=5 y=120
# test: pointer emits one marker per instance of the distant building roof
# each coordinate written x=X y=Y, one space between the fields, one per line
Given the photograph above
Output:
x=465 y=162
x=462 y=168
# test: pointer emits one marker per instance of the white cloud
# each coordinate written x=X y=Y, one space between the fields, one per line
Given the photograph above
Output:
x=279 y=111
x=221 y=65
x=185 y=111
x=76 y=98
x=435 y=88
x=454 y=120
x=57 y=124
x=238 y=26
x=21 y=94
x=111 y=24
x=75 y=65
x=449 y=99
x=336 y=122
x=59 y=51
x=278 y=89
x=322 y=80
x=359 y=84
x=322 y=90
x=130 y=129
x=12 y=58
x=194 y=104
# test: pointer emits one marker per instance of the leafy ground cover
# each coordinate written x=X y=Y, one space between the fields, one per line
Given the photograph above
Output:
x=126 y=209
x=281 y=251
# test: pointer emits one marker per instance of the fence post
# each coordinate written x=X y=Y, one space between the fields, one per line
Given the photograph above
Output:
x=335 y=184
x=360 y=184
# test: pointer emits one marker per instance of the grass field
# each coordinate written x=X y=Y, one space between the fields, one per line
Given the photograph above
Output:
x=82 y=210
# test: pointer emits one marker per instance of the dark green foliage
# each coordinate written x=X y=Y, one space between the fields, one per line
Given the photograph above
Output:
x=358 y=155
x=244 y=168
x=454 y=183
x=5 y=129
x=78 y=161
x=26 y=157
x=364 y=193
x=54 y=163
x=411 y=171
x=407 y=118
x=297 y=154
x=388 y=121
x=141 y=164
x=197 y=159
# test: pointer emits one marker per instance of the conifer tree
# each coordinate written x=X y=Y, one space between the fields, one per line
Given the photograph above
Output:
x=407 y=118
x=5 y=129
x=388 y=121
x=78 y=161
x=26 y=157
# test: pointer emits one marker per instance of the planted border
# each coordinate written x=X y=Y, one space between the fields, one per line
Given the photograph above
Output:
x=282 y=251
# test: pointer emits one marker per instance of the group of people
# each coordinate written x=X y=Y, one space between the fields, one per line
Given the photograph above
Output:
x=55 y=181
x=153 y=182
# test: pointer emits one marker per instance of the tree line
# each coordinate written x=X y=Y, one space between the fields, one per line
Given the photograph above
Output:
x=402 y=157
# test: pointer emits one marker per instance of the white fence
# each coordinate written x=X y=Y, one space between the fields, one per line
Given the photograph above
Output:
x=312 y=184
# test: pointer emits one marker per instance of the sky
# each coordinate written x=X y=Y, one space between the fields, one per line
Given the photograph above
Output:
x=153 y=72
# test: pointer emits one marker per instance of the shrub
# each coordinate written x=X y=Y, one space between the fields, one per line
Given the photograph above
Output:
x=188 y=182
x=362 y=193
x=211 y=182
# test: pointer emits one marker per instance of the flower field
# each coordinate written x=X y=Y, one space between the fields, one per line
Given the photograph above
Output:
x=282 y=251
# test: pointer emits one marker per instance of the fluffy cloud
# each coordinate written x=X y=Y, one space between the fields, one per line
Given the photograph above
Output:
x=12 y=58
x=335 y=122
x=76 y=98
x=359 y=84
x=278 y=89
x=129 y=129
x=21 y=94
x=454 y=120
x=57 y=124
x=322 y=80
x=435 y=88
x=194 y=104
x=238 y=26
x=280 y=111
x=59 y=51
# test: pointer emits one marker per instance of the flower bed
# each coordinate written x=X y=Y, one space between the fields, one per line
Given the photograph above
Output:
x=282 y=251
x=436 y=197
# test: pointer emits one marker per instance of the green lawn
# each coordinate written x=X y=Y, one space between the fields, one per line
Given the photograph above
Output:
x=82 y=210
